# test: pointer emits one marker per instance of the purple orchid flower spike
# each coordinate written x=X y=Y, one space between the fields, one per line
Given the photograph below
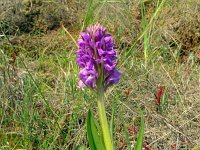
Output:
x=97 y=58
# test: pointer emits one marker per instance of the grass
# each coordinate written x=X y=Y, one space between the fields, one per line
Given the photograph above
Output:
x=42 y=108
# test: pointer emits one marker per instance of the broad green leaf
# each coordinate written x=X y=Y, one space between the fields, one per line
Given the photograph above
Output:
x=139 y=142
x=89 y=131
x=95 y=141
x=80 y=147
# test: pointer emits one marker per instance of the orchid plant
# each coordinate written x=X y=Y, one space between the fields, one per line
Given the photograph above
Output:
x=97 y=60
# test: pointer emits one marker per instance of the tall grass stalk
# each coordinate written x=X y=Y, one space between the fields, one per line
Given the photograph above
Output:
x=144 y=25
x=92 y=14
x=129 y=53
x=125 y=130
x=100 y=9
x=89 y=14
x=36 y=85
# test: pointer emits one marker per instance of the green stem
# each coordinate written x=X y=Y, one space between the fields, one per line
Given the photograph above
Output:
x=103 y=120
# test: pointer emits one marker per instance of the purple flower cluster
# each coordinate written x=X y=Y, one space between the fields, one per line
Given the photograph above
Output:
x=97 y=58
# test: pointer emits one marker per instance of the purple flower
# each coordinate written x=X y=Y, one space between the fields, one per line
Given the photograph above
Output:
x=96 y=58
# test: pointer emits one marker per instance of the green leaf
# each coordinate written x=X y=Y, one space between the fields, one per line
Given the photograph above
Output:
x=80 y=147
x=89 y=14
x=139 y=142
x=89 y=132
x=100 y=9
x=95 y=141
x=112 y=124
x=125 y=131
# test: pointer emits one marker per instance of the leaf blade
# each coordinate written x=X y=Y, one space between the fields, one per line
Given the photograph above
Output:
x=89 y=132
x=139 y=143
x=95 y=140
x=80 y=147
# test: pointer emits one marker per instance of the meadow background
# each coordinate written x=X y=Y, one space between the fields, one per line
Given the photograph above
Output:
x=41 y=106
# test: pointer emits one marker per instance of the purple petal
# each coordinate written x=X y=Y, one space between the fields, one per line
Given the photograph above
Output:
x=101 y=52
x=90 y=81
x=108 y=39
x=81 y=85
x=85 y=36
x=109 y=65
x=113 y=77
